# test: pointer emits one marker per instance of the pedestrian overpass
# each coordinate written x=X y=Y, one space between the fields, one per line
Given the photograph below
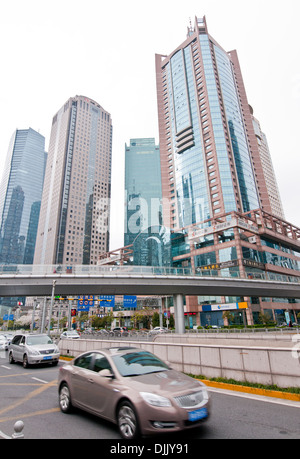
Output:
x=50 y=280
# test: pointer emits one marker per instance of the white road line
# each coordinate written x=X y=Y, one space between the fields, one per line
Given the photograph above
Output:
x=40 y=380
x=260 y=398
x=3 y=366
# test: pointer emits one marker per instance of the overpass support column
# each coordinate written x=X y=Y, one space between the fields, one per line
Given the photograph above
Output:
x=179 y=314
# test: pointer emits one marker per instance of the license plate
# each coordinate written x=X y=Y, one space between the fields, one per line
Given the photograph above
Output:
x=48 y=357
x=198 y=414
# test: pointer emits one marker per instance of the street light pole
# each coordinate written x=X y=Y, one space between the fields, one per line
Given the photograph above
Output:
x=44 y=315
x=33 y=314
x=51 y=305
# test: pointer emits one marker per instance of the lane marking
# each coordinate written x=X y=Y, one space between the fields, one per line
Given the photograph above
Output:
x=29 y=396
x=40 y=380
x=259 y=398
x=19 y=384
x=27 y=415
x=7 y=368
x=15 y=374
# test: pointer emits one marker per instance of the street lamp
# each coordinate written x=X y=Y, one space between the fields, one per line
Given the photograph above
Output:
x=51 y=305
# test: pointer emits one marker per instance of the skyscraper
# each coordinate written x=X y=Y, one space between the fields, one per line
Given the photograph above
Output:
x=20 y=200
x=74 y=220
x=209 y=153
x=268 y=188
x=142 y=187
x=219 y=190
x=143 y=212
x=20 y=196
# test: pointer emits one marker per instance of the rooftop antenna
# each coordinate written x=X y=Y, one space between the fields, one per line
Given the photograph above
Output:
x=189 y=30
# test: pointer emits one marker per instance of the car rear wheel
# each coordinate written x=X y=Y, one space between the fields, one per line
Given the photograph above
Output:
x=127 y=421
x=65 y=399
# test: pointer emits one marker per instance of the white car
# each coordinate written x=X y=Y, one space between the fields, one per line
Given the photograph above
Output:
x=33 y=349
x=159 y=330
x=3 y=343
x=70 y=334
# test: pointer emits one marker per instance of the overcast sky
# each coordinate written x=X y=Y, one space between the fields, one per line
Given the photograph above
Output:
x=53 y=50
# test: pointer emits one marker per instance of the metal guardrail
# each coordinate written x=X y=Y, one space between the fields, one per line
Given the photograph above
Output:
x=148 y=336
x=131 y=335
x=18 y=432
x=91 y=270
x=294 y=329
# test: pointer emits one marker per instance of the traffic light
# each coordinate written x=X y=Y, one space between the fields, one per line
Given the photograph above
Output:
x=73 y=312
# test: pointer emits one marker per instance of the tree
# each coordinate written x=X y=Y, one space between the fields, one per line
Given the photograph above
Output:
x=229 y=316
x=109 y=318
x=155 y=319
x=264 y=318
x=136 y=318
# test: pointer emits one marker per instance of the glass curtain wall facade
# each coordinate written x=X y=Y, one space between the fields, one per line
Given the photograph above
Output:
x=143 y=211
x=20 y=196
x=205 y=156
x=75 y=211
x=219 y=191
x=20 y=199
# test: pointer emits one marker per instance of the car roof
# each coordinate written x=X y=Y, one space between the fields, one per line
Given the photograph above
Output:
x=120 y=350
x=31 y=334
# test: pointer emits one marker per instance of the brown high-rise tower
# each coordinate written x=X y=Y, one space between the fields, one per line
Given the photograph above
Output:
x=74 y=218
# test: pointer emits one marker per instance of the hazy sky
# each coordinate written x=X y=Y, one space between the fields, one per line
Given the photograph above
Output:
x=53 y=50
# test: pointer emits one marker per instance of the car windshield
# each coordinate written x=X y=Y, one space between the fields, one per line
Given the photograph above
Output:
x=138 y=363
x=42 y=339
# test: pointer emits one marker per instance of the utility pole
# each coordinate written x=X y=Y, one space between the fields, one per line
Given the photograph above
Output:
x=51 y=305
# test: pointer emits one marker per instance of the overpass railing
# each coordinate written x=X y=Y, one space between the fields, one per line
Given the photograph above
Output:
x=94 y=270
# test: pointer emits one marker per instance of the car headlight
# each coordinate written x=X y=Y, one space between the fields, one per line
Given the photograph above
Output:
x=154 y=399
x=34 y=351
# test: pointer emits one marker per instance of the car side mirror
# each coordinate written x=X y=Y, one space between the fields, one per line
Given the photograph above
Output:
x=106 y=373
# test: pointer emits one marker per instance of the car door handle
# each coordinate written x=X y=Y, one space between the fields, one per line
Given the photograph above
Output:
x=91 y=380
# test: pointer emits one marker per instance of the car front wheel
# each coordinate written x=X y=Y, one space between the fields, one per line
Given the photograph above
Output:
x=127 y=421
x=25 y=361
x=10 y=358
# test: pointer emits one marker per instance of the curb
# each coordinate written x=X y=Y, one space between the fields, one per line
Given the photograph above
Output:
x=253 y=390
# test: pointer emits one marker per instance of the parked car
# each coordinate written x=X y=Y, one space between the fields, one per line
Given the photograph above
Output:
x=102 y=332
x=70 y=334
x=3 y=342
x=33 y=349
x=120 y=331
x=134 y=389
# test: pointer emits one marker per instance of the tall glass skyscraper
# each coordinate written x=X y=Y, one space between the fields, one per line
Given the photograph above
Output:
x=74 y=220
x=20 y=200
x=20 y=196
x=209 y=155
x=142 y=187
x=226 y=216
x=143 y=204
